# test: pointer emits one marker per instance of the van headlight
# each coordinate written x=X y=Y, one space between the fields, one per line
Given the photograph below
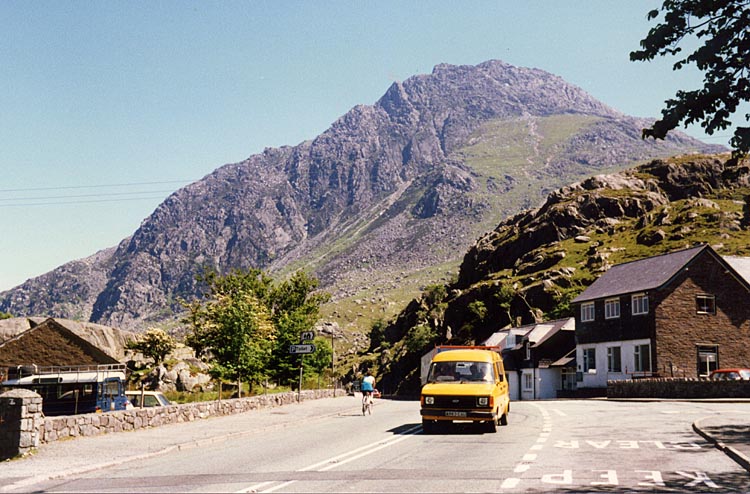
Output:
x=429 y=400
x=483 y=401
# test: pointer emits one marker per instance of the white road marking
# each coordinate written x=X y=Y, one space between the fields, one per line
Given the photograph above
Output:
x=510 y=483
x=335 y=461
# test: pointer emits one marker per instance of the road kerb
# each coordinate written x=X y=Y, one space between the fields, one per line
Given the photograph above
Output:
x=734 y=454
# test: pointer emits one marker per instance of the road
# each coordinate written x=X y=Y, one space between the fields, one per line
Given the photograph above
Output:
x=565 y=445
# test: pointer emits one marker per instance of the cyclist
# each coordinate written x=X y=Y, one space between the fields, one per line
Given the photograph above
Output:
x=368 y=385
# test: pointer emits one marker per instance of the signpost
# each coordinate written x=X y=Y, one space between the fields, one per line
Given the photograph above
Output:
x=302 y=349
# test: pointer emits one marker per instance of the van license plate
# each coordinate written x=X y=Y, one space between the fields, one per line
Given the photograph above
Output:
x=455 y=414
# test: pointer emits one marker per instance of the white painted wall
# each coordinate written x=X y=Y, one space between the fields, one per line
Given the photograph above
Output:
x=545 y=383
x=514 y=385
x=599 y=378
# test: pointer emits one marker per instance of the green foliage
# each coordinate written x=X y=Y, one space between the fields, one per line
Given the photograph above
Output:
x=320 y=361
x=234 y=324
x=504 y=298
x=377 y=333
x=420 y=337
x=154 y=343
x=721 y=32
x=478 y=310
x=5 y=315
x=248 y=323
x=295 y=308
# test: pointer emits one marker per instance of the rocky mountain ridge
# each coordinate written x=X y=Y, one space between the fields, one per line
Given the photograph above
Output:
x=371 y=206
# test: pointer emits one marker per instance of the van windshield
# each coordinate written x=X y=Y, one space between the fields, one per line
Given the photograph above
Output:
x=460 y=371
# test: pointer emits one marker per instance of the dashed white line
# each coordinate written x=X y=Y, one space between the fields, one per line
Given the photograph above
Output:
x=510 y=483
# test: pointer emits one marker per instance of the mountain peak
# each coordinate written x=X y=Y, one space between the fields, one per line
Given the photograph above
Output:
x=372 y=205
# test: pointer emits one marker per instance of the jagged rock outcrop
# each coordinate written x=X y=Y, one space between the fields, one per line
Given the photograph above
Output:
x=395 y=187
x=595 y=203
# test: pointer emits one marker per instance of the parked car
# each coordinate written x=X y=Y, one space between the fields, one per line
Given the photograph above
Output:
x=730 y=375
x=150 y=399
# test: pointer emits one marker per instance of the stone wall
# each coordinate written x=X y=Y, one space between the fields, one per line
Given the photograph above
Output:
x=47 y=429
x=20 y=422
x=676 y=388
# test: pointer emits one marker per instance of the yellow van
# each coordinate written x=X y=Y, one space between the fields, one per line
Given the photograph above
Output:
x=465 y=384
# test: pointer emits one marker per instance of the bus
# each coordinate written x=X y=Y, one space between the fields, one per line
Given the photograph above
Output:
x=70 y=390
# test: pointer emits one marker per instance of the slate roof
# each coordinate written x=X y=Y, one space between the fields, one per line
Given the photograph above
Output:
x=642 y=275
x=741 y=265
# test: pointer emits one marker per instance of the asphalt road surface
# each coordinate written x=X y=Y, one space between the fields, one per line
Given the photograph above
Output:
x=548 y=446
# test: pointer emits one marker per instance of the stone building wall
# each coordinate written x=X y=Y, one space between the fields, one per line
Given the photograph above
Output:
x=681 y=329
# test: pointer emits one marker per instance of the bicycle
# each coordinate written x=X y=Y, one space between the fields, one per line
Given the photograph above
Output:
x=367 y=403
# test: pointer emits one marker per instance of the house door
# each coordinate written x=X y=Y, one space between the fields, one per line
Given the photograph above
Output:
x=708 y=359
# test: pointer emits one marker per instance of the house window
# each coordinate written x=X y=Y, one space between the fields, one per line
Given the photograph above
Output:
x=614 y=363
x=708 y=359
x=528 y=350
x=587 y=312
x=705 y=304
x=528 y=382
x=589 y=360
x=642 y=358
x=640 y=304
x=612 y=308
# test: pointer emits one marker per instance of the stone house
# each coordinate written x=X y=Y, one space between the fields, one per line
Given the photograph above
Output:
x=680 y=314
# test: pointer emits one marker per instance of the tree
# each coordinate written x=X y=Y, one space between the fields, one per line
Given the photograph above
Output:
x=320 y=361
x=154 y=343
x=295 y=308
x=248 y=323
x=235 y=324
x=723 y=56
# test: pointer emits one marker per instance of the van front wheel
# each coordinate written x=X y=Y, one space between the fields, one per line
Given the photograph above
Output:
x=429 y=426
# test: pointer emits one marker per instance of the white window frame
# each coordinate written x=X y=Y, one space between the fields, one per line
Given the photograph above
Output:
x=614 y=356
x=588 y=312
x=528 y=382
x=707 y=307
x=612 y=308
x=710 y=355
x=639 y=304
x=638 y=357
x=586 y=359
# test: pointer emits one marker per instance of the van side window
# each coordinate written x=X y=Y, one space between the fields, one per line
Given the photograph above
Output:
x=499 y=372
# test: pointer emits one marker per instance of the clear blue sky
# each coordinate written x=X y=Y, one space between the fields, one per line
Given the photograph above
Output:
x=158 y=94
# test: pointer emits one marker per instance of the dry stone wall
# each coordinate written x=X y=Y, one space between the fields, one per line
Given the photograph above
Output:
x=676 y=388
x=34 y=429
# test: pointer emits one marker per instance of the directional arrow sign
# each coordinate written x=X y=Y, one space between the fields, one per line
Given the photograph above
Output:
x=301 y=348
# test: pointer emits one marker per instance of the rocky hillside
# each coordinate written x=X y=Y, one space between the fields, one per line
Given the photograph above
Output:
x=532 y=264
x=383 y=202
